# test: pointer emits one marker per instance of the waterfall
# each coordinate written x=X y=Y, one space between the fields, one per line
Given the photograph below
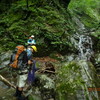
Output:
x=83 y=44
x=85 y=47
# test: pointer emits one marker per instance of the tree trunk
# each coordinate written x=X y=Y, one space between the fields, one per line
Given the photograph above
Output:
x=27 y=3
x=7 y=82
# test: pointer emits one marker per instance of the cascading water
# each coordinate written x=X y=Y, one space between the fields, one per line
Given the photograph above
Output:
x=85 y=47
x=83 y=44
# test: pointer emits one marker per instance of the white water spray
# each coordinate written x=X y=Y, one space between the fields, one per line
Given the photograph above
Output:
x=83 y=44
x=85 y=47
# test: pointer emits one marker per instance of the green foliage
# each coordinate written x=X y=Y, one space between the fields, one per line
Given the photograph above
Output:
x=47 y=20
x=68 y=81
x=97 y=34
x=88 y=9
x=1 y=30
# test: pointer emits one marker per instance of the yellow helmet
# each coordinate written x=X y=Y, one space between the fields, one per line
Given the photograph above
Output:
x=34 y=48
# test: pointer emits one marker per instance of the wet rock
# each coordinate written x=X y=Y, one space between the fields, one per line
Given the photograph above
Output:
x=74 y=79
x=47 y=82
x=97 y=63
x=6 y=94
x=97 y=60
x=46 y=87
x=5 y=58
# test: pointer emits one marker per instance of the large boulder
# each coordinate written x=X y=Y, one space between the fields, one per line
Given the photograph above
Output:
x=76 y=80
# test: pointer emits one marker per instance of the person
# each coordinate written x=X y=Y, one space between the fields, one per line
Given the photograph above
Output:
x=23 y=73
x=31 y=40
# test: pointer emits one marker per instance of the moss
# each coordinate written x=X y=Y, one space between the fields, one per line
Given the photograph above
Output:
x=69 y=80
x=49 y=21
x=87 y=10
x=73 y=77
x=88 y=22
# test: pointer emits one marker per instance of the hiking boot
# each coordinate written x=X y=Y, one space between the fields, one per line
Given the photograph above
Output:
x=16 y=93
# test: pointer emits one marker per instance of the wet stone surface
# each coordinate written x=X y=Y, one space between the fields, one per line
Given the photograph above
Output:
x=6 y=94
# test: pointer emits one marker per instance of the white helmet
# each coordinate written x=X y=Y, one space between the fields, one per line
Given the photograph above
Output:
x=32 y=36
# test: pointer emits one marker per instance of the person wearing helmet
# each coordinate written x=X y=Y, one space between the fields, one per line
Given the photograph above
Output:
x=31 y=75
x=34 y=48
x=31 y=40
x=23 y=74
x=32 y=36
x=30 y=50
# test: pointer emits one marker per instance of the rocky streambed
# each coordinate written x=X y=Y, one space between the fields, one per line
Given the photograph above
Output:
x=69 y=78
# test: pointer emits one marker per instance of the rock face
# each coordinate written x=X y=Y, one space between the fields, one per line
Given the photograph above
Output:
x=6 y=94
x=97 y=63
x=76 y=80
x=5 y=58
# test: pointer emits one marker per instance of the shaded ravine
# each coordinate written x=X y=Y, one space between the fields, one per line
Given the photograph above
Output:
x=82 y=64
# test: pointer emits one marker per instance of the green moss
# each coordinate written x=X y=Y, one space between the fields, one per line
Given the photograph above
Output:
x=69 y=80
x=87 y=10
x=97 y=33
x=74 y=78
x=49 y=21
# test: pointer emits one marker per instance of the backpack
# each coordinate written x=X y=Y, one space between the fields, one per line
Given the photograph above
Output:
x=16 y=60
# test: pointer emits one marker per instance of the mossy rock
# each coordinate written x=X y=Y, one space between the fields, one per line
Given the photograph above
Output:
x=34 y=97
x=73 y=77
